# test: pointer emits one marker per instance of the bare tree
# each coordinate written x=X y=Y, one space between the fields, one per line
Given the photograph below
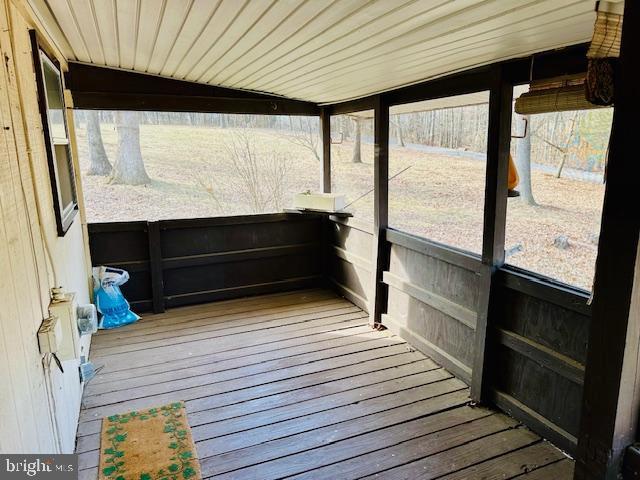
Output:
x=357 y=156
x=398 y=127
x=129 y=166
x=523 y=162
x=261 y=176
x=98 y=161
x=305 y=132
x=563 y=148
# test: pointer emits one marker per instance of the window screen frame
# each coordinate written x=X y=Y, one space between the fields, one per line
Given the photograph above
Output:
x=64 y=214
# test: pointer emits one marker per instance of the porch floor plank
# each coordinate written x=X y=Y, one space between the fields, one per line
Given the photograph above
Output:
x=296 y=385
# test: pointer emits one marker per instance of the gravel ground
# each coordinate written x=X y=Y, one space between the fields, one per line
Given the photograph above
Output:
x=440 y=196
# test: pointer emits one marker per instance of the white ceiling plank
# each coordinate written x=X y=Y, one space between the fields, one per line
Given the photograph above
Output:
x=443 y=45
x=440 y=45
x=450 y=63
x=201 y=15
x=151 y=14
x=319 y=26
x=241 y=26
x=317 y=50
x=369 y=17
x=467 y=20
x=256 y=37
x=48 y=21
x=297 y=21
x=416 y=72
x=128 y=15
x=367 y=36
x=88 y=27
x=105 y=20
x=174 y=17
x=207 y=39
x=63 y=12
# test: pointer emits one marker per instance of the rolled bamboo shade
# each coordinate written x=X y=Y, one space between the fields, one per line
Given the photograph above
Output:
x=557 y=94
x=607 y=31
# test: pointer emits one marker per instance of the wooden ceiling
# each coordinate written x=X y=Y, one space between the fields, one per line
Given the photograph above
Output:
x=322 y=51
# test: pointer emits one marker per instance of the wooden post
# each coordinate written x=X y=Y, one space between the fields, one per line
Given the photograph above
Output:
x=495 y=215
x=155 y=266
x=611 y=398
x=325 y=168
x=378 y=302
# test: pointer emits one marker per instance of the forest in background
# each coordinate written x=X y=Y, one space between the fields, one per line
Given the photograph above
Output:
x=579 y=137
x=197 y=165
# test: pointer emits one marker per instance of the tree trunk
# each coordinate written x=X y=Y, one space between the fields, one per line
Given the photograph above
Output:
x=523 y=164
x=129 y=166
x=98 y=161
x=399 y=135
x=357 y=158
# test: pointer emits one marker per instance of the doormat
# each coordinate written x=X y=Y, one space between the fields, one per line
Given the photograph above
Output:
x=153 y=444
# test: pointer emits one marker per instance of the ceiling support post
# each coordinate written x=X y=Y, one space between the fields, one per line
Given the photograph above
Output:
x=378 y=303
x=325 y=135
x=611 y=399
x=495 y=215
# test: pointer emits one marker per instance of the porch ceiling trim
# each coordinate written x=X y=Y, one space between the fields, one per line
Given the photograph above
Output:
x=94 y=87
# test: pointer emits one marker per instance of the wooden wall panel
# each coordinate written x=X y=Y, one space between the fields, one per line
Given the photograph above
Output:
x=181 y=238
x=550 y=395
x=540 y=334
x=433 y=299
x=348 y=253
x=125 y=245
x=433 y=331
x=440 y=277
x=347 y=275
x=550 y=325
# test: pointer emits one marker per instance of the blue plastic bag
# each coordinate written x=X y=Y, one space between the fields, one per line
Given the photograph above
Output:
x=110 y=302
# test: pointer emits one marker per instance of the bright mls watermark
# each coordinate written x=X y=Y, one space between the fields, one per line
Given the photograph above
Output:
x=50 y=467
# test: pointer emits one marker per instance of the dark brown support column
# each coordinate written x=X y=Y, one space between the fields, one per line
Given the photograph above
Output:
x=325 y=185
x=155 y=266
x=378 y=301
x=325 y=169
x=495 y=215
x=611 y=393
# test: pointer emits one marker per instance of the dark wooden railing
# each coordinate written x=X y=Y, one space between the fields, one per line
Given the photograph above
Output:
x=180 y=262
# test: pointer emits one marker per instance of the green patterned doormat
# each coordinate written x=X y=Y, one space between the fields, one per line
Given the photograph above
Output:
x=153 y=444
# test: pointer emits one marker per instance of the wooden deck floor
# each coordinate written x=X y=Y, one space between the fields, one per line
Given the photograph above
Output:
x=298 y=386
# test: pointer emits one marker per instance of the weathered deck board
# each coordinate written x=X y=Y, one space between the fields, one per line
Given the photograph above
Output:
x=298 y=386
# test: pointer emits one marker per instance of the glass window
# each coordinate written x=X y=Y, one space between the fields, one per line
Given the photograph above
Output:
x=437 y=169
x=352 y=162
x=61 y=171
x=553 y=225
x=170 y=165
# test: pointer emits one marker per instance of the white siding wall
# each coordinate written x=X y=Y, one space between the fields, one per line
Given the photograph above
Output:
x=28 y=396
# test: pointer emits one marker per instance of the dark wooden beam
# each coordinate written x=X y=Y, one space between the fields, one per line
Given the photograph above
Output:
x=350 y=106
x=94 y=87
x=611 y=400
x=545 y=289
x=155 y=266
x=553 y=63
x=380 y=209
x=325 y=129
x=495 y=214
x=470 y=81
